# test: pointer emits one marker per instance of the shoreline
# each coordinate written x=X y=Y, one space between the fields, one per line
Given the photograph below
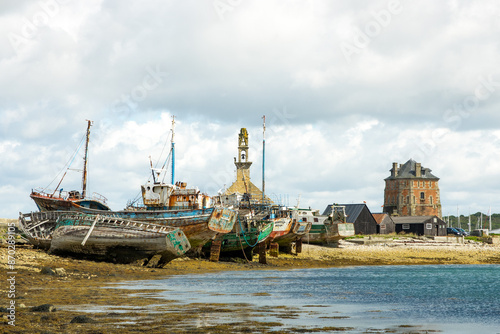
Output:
x=39 y=280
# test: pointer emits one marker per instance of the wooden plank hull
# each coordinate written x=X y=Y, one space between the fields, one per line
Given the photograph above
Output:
x=117 y=240
x=46 y=202
x=244 y=237
x=38 y=227
x=199 y=226
x=328 y=233
x=281 y=228
x=297 y=231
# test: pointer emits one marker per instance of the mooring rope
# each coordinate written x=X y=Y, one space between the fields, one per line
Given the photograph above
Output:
x=243 y=232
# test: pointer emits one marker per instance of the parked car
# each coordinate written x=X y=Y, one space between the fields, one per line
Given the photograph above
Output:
x=452 y=230
x=462 y=231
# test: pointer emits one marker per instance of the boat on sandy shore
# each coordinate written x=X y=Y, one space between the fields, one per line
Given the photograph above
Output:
x=116 y=239
x=60 y=200
x=165 y=204
x=199 y=226
x=298 y=229
x=38 y=227
x=282 y=223
x=179 y=207
x=244 y=237
x=325 y=230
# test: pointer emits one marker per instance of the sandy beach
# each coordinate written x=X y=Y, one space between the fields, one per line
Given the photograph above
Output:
x=67 y=286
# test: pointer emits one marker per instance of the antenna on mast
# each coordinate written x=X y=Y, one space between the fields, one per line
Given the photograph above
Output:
x=152 y=170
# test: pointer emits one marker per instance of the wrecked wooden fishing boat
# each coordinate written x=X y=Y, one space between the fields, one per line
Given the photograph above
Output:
x=325 y=230
x=282 y=223
x=38 y=227
x=240 y=242
x=116 y=239
x=298 y=229
x=67 y=201
x=199 y=225
x=60 y=200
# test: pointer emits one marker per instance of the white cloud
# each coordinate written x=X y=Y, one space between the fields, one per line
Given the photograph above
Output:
x=334 y=127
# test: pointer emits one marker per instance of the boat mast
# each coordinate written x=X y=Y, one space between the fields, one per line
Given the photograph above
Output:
x=263 y=158
x=469 y=220
x=85 y=158
x=173 y=150
x=489 y=219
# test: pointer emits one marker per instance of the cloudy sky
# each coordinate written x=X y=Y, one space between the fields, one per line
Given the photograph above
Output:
x=347 y=87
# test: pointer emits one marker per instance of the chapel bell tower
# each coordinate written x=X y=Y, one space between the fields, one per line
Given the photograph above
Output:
x=242 y=163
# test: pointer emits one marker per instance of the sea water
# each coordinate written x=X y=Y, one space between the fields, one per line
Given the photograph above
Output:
x=446 y=298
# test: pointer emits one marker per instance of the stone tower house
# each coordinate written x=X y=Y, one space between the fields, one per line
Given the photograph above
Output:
x=243 y=184
x=412 y=190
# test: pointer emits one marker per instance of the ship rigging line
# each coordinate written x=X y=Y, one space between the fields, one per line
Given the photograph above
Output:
x=163 y=150
x=67 y=168
x=167 y=160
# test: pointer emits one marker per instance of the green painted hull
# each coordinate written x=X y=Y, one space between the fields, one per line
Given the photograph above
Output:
x=323 y=234
x=244 y=238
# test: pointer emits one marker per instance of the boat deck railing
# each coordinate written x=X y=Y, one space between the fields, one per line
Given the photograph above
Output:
x=111 y=221
x=65 y=195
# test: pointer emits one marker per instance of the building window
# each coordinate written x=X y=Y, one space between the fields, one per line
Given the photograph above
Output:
x=431 y=200
x=422 y=196
x=428 y=226
x=406 y=226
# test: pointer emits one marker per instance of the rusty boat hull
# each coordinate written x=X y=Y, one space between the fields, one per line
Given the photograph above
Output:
x=243 y=239
x=297 y=230
x=281 y=228
x=48 y=202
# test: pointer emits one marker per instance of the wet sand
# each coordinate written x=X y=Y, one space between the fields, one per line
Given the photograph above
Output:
x=78 y=291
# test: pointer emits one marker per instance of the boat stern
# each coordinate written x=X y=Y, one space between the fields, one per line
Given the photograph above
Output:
x=222 y=220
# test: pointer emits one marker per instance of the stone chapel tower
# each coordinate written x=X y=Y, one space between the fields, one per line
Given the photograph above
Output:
x=243 y=184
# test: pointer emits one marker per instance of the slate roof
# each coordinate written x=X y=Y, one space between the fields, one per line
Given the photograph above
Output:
x=351 y=210
x=411 y=219
x=407 y=171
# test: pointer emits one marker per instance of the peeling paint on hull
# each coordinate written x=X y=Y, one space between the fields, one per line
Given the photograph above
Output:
x=297 y=231
x=123 y=246
x=322 y=234
x=199 y=226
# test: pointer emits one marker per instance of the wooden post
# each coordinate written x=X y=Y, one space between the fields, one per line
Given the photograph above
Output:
x=262 y=253
x=215 y=250
x=274 y=249
x=298 y=246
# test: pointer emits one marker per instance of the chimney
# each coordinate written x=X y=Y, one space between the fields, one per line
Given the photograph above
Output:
x=395 y=169
x=418 y=169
